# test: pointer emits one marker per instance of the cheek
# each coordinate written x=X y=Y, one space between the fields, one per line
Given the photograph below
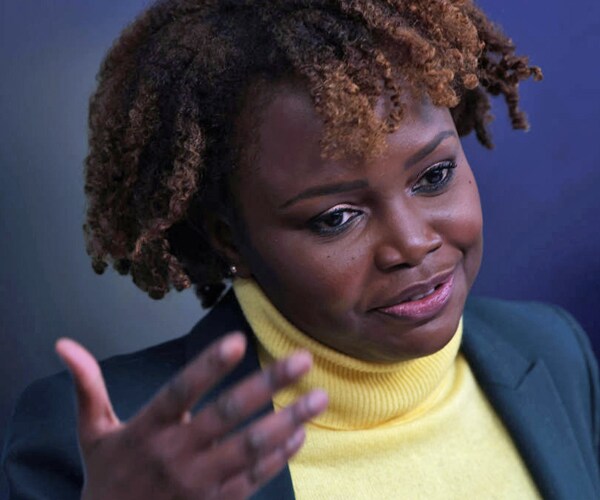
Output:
x=466 y=227
x=323 y=270
x=328 y=277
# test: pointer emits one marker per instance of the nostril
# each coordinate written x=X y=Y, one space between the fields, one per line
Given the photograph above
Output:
x=389 y=258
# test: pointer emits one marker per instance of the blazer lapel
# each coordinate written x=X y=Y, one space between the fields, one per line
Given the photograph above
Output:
x=524 y=396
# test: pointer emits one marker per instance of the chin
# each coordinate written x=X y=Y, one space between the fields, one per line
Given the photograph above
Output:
x=415 y=340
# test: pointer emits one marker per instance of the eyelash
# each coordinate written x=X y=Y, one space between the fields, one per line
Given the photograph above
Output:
x=447 y=166
x=316 y=224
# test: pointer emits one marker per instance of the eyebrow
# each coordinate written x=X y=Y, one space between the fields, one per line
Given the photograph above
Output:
x=344 y=187
x=341 y=187
x=429 y=148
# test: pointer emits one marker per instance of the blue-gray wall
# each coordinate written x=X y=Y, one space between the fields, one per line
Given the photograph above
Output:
x=540 y=190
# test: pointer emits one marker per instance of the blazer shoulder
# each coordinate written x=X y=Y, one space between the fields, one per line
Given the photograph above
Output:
x=545 y=332
x=537 y=329
x=40 y=452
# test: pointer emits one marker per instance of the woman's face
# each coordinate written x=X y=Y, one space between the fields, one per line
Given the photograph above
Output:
x=374 y=258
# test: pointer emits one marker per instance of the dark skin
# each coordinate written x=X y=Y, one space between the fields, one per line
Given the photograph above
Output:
x=332 y=241
x=396 y=229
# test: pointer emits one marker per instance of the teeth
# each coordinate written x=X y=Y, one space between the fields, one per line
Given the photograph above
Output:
x=419 y=297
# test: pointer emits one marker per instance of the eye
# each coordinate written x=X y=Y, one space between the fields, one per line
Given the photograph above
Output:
x=435 y=178
x=334 y=221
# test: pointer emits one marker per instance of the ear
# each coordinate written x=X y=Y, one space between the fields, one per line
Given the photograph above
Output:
x=222 y=236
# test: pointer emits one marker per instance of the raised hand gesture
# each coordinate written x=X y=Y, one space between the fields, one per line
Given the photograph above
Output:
x=165 y=452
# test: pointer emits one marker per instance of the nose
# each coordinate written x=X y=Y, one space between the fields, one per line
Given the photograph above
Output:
x=407 y=237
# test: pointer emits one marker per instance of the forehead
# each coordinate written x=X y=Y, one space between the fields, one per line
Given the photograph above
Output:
x=287 y=138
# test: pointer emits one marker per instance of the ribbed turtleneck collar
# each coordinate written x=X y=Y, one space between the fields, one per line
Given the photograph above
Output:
x=361 y=394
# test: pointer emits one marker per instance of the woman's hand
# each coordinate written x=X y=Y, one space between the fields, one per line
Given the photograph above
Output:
x=165 y=452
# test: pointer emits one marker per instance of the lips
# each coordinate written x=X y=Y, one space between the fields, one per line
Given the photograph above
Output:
x=422 y=300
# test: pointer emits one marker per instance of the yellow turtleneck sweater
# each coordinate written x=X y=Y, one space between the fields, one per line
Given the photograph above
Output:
x=415 y=429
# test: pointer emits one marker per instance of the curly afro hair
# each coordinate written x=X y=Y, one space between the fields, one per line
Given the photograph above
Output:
x=162 y=120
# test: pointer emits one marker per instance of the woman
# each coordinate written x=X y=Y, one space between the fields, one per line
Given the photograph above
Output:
x=310 y=151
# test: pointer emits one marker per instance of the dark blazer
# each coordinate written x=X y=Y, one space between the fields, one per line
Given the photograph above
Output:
x=532 y=360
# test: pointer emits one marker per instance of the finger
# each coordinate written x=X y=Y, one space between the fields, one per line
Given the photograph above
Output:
x=246 y=398
x=244 y=449
x=245 y=484
x=95 y=412
x=178 y=396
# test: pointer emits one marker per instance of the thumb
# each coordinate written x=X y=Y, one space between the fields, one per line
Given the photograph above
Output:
x=95 y=412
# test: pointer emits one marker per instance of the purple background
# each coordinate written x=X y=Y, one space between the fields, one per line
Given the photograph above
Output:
x=539 y=190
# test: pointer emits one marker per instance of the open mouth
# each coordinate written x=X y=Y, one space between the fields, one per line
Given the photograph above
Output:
x=423 y=295
x=422 y=305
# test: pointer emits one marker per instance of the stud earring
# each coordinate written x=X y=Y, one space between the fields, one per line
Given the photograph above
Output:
x=232 y=271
